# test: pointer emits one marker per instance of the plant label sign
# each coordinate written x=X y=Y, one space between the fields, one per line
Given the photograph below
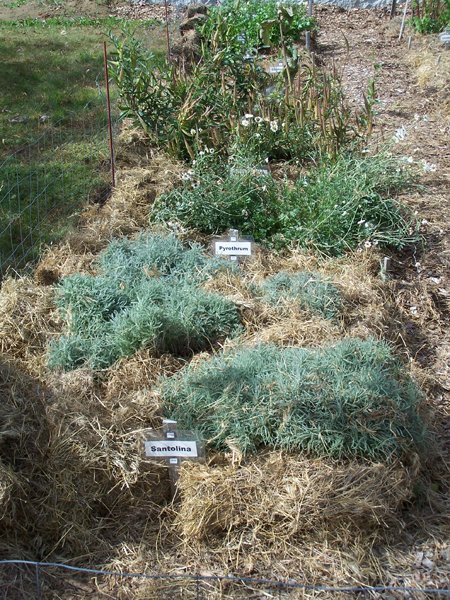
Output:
x=233 y=247
x=224 y=248
x=278 y=68
x=172 y=446
x=171 y=449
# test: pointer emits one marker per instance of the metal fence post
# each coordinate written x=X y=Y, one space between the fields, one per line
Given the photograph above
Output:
x=108 y=104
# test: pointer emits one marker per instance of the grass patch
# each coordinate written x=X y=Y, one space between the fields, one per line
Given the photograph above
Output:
x=308 y=290
x=53 y=116
x=337 y=206
x=148 y=296
x=105 y=23
x=353 y=399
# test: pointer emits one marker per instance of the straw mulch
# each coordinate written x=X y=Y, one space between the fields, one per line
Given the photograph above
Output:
x=73 y=482
x=366 y=302
x=27 y=322
x=278 y=498
x=71 y=472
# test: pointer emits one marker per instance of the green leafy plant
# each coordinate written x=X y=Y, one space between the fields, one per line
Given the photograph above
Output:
x=335 y=207
x=148 y=296
x=300 y=112
x=217 y=194
x=309 y=290
x=430 y=16
x=250 y=24
x=348 y=203
x=353 y=399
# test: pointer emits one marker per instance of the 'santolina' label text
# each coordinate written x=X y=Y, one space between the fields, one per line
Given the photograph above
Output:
x=170 y=448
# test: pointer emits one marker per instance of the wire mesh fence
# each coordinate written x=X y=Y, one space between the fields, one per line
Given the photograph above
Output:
x=26 y=579
x=44 y=183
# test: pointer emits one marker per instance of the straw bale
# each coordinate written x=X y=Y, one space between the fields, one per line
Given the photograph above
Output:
x=27 y=321
x=102 y=430
x=82 y=480
x=127 y=210
x=276 y=498
x=137 y=373
x=72 y=256
x=9 y=482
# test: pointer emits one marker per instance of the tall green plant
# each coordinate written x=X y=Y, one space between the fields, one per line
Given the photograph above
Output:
x=252 y=24
x=430 y=16
x=185 y=111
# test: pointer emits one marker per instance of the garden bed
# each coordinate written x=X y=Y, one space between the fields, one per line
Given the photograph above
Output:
x=73 y=472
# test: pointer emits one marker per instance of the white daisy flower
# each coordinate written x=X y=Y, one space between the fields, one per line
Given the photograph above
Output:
x=400 y=134
x=367 y=244
x=274 y=126
x=428 y=167
x=245 y=123
x=248 y=116
x=258 y=120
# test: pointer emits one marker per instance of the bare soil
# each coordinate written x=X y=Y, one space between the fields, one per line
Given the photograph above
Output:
x=412 y=85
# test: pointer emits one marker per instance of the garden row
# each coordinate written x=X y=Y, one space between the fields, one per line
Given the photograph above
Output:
x=313 y=426
x=149 y=292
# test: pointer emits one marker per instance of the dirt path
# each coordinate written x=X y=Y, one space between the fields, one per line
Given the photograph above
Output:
x=412 y=88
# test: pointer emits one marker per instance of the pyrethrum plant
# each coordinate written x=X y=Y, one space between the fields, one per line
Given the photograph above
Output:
x=336 y=206
x=218 y=193
x=185 y=111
